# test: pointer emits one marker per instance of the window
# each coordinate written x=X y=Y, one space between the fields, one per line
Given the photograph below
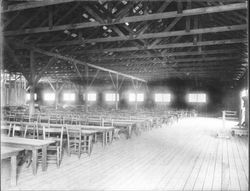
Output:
x=49 y=96
x=133 y=97
x=140 y=97
x=28 y=96
x=69 y=97
x=91 y=97
x=162 y=97
x=197 y=98
x=111 y=97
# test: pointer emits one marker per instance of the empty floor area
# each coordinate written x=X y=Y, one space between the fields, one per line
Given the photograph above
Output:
x=185 y=156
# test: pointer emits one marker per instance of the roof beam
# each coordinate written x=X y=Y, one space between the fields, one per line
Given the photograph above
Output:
x=165 y=46
x=143 y=56
x=150 y=35
x=74 y=60
x=30 y=5
x=156 y=16
x=145 y=62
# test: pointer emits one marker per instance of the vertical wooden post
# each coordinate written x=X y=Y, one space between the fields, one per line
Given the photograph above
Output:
x=136 y=92
x=32 y=87
x=87 y=84
x=56 y=95
x=2 y=87
x=9 y=90
x=15 y=90
x=5 y=88
x=116 y=92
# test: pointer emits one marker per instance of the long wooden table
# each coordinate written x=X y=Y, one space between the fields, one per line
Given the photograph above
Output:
x=107 y=132
x=11 y=152
x=30 y=144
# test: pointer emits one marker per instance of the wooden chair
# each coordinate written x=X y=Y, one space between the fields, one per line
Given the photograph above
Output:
x=67 y=120
x=116 y=133
x=54 y=151
x=18 y=130
x=44 y=119
x=6 y=129
x=79 y=141
x=74 y=140
x=54 y=119
x=31 y=130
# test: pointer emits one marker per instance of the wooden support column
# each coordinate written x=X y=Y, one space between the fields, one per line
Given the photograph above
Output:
x=87 y=84
x=9 y=90
x=136 y=92
x=56 y=95
x=32 y=85
x=15 y=90
x=5 y=89
x=135 y=84
x=2 y=87
x=116 y=92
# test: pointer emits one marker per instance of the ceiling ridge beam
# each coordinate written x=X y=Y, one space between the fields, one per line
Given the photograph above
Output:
x=155 y=16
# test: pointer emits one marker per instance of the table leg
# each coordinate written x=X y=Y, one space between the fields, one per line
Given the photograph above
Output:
x=34 y=161
x=89 y=144
x=13 y=171
x=129 y=131
x=95 y=138
x=103 y=139
x=44 y=158
x=110 y=136
x=106 y=138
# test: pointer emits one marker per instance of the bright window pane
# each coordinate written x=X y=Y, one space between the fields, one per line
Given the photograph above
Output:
x=69 y=97
x=91 y=97
x=131 y=97
x=162 y=97
x=28 y=96
x=49 y=97
x=111 y=97
x=166 y=97
x=158 y=97
x=200 y=98
x=140 y=97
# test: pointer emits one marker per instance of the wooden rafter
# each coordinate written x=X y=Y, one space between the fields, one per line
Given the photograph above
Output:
x=74 y=60
x=165 y=15
x=173 y=45
x=151 y=35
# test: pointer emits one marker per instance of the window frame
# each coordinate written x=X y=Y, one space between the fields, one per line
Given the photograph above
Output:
x=199 y=98
x=69 y=100
x=49 y=93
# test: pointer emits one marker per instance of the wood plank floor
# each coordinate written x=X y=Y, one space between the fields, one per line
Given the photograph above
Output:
x=184 y=156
